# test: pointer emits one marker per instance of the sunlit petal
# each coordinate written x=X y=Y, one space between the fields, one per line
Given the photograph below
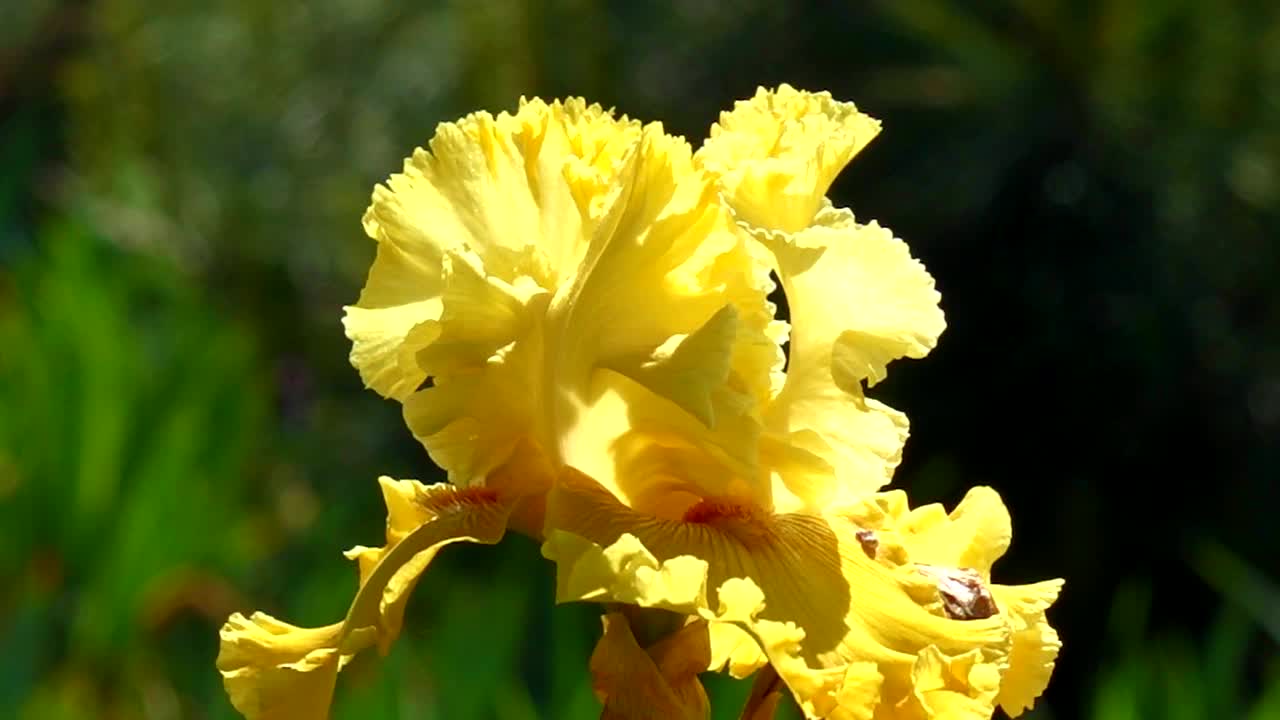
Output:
x=1035 y=643
x=734 y=650
x=495 y=197
x=974 y=535
x=778 y=153
x=858 y=301
x=276 y=671
x=574 y=311
x=834 y=619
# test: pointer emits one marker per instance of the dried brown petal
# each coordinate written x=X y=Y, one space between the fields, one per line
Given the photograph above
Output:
x=964 y=595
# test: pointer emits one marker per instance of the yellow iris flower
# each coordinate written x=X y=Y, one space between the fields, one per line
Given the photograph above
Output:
x=573 y=309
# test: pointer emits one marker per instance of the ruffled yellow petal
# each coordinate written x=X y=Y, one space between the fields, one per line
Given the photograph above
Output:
x=858 y=301
x=495 y=202
x=880 y=303
x=835 y=620
x=276 y=671
x=830 y=448
x=778 y=153
x=648 y=299
x=472 y=423
x=473 y=239
x=665 y=340
x=381 y=332
x=1035 y=643
x=524 y=255
x=661 y=682
x=625 y=572
x=961 y=687
x=974 y=535
x=734 y=650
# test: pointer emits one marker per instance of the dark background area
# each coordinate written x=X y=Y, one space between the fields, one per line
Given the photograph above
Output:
x=1095 y=186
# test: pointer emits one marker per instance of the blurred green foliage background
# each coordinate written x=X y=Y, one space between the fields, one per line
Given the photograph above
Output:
x=1094 y=184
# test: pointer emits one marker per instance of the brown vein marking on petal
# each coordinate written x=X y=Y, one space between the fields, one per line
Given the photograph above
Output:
x=870 y=543
x=743 y=520
x=709 y=512
x=443 y=502
x=739 y=519
x=964 y=596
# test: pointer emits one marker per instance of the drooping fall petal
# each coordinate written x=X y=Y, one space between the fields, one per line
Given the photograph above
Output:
x=849 y=620
x=276 y=671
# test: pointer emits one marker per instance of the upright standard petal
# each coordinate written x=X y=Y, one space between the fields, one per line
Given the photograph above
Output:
x=548 y=247
x=880 y=303
x=857 y=298
x=648 y=297
x=779 y=152
x=858 y=301
x=663 y=340
x=473 y=237
x=276 y=671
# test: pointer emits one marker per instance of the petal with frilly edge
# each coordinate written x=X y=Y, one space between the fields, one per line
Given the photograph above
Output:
x=973 y=535
x=552 y=245
x=858 y=301
x=790 y=581
x=880 y=303
x=1035 y=643
x=830 y=449
x=778 y=153
x=648 y=299
x=962 y=687
x=508 y=193
x=276 y=671
x=664 y=337
x=734 y=650
x=472 y=423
